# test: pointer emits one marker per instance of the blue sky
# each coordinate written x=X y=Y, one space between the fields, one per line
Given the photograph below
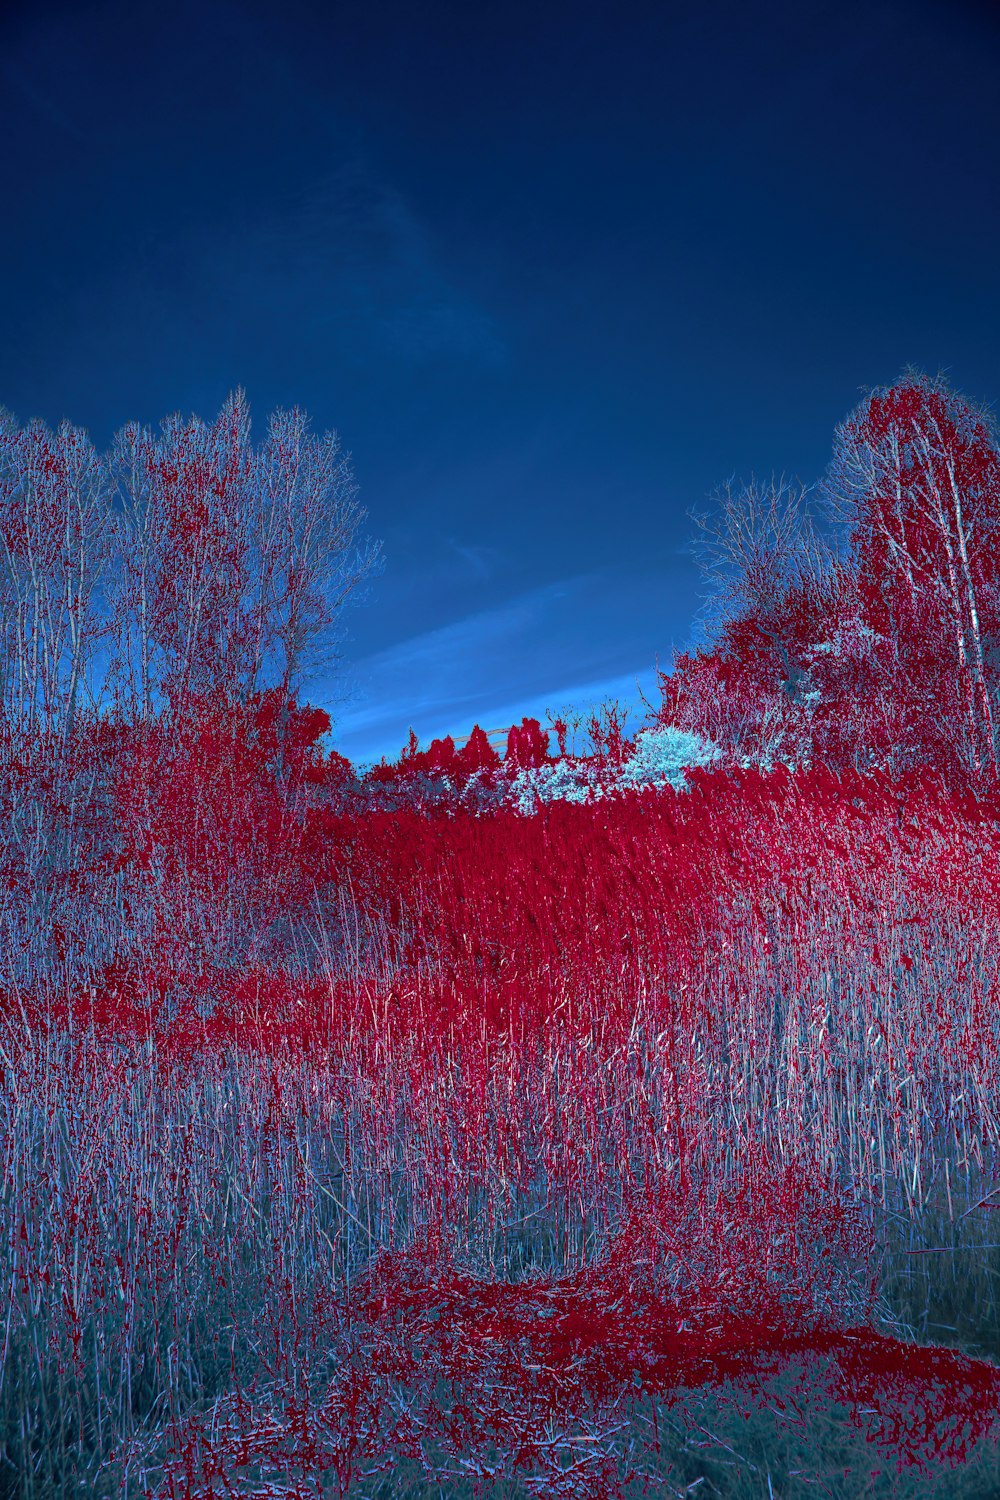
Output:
x=496 y=665
x=554 y=272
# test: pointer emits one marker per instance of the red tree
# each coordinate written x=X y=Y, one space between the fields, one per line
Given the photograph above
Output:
x=882 y=651
x=477 y=754
x=527 y=744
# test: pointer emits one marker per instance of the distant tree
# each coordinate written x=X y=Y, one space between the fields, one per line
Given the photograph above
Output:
x=561 y=730
x=606 y=730
x=477 y=754
x=527 y=744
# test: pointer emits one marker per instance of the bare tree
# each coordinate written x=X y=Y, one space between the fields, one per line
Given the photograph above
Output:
x=758 y=542
x=55 y=539
x=235 y=562
x=55 y=533
x=185 y=558
x=916 y=477
x=758 y=547
x=307 y=522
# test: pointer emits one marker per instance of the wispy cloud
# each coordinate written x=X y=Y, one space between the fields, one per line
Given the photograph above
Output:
x=490 y=667
x=478 y=562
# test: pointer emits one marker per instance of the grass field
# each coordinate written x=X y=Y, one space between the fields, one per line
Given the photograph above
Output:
x=641 y=1147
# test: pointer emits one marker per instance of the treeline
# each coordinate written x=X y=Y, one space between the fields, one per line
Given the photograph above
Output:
x=163 y=792
x=858 y=625
x=176 y=565
x=160 y=605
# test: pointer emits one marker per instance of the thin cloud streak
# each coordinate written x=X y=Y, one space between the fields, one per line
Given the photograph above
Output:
x=491 y=667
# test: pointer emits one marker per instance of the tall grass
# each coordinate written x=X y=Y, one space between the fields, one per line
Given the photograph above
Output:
x=548 y=1129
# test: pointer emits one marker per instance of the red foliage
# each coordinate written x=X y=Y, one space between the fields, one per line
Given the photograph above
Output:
x=890 y=658
x=477 y=754
x=441 y=1366
x=497 y=1044
x=527 y=744
x=674 y=1037
x=440 y=758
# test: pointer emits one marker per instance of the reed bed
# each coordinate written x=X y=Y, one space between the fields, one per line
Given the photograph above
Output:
x=536 y=1153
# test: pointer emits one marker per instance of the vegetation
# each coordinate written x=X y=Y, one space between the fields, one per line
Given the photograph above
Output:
x=548 y=1125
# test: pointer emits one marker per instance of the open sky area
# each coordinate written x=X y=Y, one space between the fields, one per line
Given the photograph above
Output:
x=554 y=271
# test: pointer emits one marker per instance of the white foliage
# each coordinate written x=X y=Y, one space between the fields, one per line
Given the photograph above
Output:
x=662 y=756
x=562 y=781
x=660 y=759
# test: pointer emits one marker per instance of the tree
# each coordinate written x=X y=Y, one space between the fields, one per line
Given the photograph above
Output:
x=213 y=572
x=916 y=478
x=235 y=561
x=778 y=588
x=186 y=563
x=477 y=754
x=307 y=521
x=55 y=536
x=757 y=544
x=880 y=646
x=55 y=539
x=527 y=745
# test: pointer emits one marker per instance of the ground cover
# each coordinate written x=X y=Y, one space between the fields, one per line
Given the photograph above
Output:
x=645 y=1145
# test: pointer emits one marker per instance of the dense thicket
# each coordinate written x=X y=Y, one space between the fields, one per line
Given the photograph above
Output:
x=872 y=640
x=160 y=606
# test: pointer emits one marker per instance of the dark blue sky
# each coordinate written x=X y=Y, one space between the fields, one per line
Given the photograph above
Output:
x=553 y=271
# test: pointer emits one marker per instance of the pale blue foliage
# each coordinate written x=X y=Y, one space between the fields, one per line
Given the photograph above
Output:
x=662 y=756
x=562 y=781
x=660 y=759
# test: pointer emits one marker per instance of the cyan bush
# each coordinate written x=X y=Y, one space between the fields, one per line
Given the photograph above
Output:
x=660 y=759
x=662 y=755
